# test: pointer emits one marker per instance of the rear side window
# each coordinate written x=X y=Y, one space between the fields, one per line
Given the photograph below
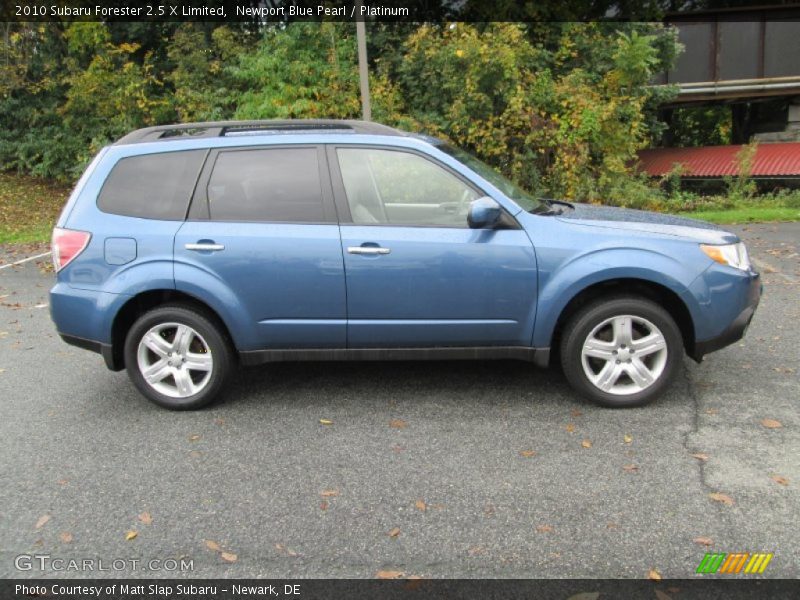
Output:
x=152 y=186
x=268 y=185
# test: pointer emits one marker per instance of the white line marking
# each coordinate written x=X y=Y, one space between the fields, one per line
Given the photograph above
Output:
x=24 y=260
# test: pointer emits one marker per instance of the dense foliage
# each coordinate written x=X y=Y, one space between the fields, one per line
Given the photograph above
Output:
x=562 y=108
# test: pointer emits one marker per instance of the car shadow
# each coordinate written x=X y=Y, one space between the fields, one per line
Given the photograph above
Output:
x=479 y=382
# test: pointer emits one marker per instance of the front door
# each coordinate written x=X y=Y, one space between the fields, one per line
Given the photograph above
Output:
x=416 y=274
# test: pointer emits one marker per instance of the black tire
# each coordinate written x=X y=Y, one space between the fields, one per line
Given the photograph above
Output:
x=210 y=343
x=645 y=313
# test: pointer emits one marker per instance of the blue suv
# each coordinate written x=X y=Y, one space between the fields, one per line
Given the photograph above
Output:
x=186 y=250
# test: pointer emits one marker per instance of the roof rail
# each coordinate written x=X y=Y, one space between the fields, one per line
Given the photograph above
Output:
x=270 y=126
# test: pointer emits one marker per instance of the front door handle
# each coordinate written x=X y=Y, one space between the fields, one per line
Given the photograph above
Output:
x=205 y=247
x=367 y=250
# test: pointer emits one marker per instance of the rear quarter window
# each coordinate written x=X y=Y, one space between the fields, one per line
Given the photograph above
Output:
x=152 y=186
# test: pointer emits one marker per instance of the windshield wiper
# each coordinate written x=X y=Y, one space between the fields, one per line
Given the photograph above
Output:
x=550 y=207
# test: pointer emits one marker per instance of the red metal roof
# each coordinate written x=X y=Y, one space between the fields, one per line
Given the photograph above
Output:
x=771 y=160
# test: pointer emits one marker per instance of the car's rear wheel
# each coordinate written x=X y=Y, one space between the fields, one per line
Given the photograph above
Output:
x=178 y=357
x=621 y=352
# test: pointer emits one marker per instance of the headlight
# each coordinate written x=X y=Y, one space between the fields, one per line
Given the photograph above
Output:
x=733 y=255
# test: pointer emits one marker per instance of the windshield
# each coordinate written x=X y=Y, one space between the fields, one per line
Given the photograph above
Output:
x=508 y=187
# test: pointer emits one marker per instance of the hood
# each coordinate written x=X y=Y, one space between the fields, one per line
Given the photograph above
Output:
x=651 y=222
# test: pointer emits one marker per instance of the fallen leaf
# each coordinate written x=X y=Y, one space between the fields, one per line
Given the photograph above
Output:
x=195 y=454
x=544 y=529
x=62 y=481
x=398 y=448
x=725 y=499
x=389 y=574
x=397 y=423
x=661 y=595
x=570 y=427
x=527 y=453
x=700 y=456
x=712 y=411
x=627 y=439
x=703 y=541
x=212 y=545
x=229 y=557
x=219 y=421
x=329 y=493
x=771 y=424
x=611 y=525
x=323 y=505
x=65 y=537
x=42 y=521
x=476 y=550
x=420 y=504
x=326 y=421
x=779 y=479
x=131 y=535
x=194 y=437
x=575 y=412
x=394 y=532
x=145 y=518
x=586 y=443
x=630 y=468
x=654 y=575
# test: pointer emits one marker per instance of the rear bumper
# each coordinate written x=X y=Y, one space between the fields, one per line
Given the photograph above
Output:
x=105 y=350
x=737 y=328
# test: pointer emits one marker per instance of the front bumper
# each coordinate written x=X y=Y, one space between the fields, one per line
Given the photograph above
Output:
x=737 y=328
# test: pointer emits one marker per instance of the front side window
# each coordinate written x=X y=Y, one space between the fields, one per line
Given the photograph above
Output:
x=268 y=185
x=152 y=186
x=400 y=188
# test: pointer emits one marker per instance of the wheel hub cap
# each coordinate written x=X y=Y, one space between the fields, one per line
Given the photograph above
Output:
x=175 y=360
x=624 y=355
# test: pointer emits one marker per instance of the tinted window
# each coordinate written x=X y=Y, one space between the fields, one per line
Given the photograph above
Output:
x=152 y=186
x=400 y=188
x=278 y=184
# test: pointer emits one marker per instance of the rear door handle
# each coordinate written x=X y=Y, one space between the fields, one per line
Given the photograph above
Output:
x=205 y=247
x=367 y=250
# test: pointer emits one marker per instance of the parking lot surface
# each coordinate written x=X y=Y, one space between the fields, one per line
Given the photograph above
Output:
x=456 y=469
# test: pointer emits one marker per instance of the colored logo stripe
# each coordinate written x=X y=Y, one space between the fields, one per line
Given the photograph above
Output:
x=734 y=562
x=711 y=562
x=758 y=563
x=720 y=562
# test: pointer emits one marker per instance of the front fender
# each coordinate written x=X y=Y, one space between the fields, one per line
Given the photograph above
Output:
x=571 y=278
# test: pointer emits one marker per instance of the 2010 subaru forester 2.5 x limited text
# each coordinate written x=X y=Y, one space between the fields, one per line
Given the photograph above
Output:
x=187 y=250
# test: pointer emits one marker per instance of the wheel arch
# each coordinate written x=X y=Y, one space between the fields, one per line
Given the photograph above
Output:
x=651 y=290
x=144 y=302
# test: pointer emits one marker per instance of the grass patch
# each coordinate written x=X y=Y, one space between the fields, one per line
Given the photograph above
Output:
x=751 y=214
x=29 y=207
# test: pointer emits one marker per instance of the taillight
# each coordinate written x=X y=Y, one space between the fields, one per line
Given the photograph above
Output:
x=67 y=244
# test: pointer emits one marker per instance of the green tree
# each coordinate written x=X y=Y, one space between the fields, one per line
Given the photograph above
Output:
x=302 y=70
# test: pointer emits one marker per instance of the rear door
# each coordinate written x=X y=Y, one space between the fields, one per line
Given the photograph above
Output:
x=417 y=275
x=262 y=238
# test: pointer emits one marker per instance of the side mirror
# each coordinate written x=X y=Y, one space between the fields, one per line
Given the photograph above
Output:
x=483 y=213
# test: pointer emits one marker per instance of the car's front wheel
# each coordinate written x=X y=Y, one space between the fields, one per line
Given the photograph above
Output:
x=621 y=352
x=177 y=357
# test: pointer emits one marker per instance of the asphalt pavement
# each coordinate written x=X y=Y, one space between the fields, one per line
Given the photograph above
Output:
x=454 y=469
